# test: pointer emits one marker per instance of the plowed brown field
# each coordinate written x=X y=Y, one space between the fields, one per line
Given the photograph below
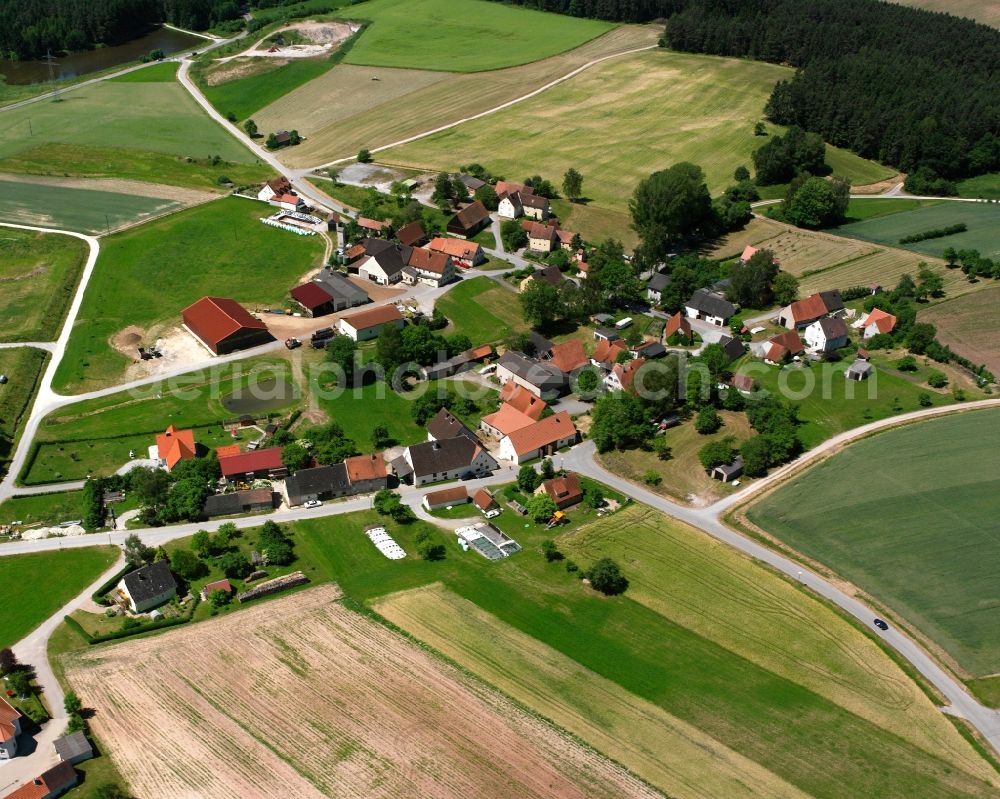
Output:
x=302 y=697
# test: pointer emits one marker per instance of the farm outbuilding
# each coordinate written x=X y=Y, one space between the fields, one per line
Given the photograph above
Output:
x=224 y=326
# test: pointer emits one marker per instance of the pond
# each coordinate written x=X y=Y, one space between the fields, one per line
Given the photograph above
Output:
x=260 y=396
x=86 y=61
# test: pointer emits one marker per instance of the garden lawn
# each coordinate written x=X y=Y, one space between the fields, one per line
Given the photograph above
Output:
x=38 y=273
x=45 y=508
x=463 y=35
x=146 y=276
x=983 y=234
x=95 y=437
x=23 y=367
x=909 y=516
x=68 y=208
x=608 y=122
x=693 y=668
x=35 y=586
x=483 y=310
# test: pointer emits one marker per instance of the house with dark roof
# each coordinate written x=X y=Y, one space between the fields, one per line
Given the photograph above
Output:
x=448 y=459
x=255 y=465
x=546 y=274
x=274 y=187
x=732 y=347
x=826 y=334
x=365 y=325
x=458 y=363
x=802 y=313
x=564 y=491
x=327 y=293
x=147 y=587
x=385 y=265
x=650 y=348
x=654 y=288
x=471 y=183
x=254 y=500
x=445 y=424
x=537 y=440
x=224 y=326
x=49 y=784
x=412 y=235
x=540 y=378
x=469 y=221
x=320 y=483
x=541 y=237
x=709 y=306
x=73 y=748
x=729 y=471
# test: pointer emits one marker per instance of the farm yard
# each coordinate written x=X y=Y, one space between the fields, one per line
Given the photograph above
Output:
x=219 y=248
x=139 y=131
x=896 y=496
x=712 y=104
x=961 y=325
x=389 y=720
x=983 y=234
x=35 y=586
x=413 y=101
x=38 y=274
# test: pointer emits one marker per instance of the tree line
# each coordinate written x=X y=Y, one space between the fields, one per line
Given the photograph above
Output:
x=32 y=27
x=903 y=86
x=612 y=10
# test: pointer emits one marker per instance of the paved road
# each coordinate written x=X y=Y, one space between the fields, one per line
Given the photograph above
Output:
x=48 y=346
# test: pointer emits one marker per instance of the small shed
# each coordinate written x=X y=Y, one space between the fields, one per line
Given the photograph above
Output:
x=860 y=370
x=731 y=471
x=73 y=748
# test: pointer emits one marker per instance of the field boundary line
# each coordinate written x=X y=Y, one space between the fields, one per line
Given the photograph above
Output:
x=572 y=74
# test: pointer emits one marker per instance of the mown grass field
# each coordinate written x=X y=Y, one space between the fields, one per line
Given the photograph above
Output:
x=35 y=586
x=983 y=234
x=483 y=310
x=983 y=186
x=609 y=123
x=122 y=130
x=707 y=679
x=244 y=96
x=909 y=517
x=38 y=276
x=95 y=437
x=47 y=508
x=68 y=208
x=413 y=101
x=23 y=367
x=147 y=275
x=155 y=73
x=463 y=35
x=967 y=325
x=985 y=11
x=860 y=210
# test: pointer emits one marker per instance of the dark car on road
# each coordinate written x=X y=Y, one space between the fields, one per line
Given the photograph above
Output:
x=881 y=624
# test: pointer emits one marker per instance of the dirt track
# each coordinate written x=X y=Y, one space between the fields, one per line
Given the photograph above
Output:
x=301 y=697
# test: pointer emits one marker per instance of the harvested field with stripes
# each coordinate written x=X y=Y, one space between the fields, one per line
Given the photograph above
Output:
x=303 y=697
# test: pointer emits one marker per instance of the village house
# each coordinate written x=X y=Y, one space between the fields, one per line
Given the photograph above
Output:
x=148 y=587
x=218 y=585
x=232 y=503
x=541 y=238
x=877 y=322
x=412 y=235
x=448 y=459
x=328 y=292
x=622 y=375
x=361 y=474
x=537 y=440
x=607 y=351
x=742 y=383
x=428 y=267
x=654 y=288
x=445 y=498
x=288 y=202
x=505 y=421
x=172 y=447
x=732 y=347
x=384 y=265
x=256 y=465
x=49 y=784
x=466 y=254
x=444 y=424
x=510 y=206
x=10 y=728
x=483 y=499
x=677 y=324
x=566 y=240
x=647 y=349
x=547 y=274
x=564 y=491
x=469 y=221
x=375 y=227
x=826 y=335
x=458 y=363
x=540 y=379
x=365 y=325
x=780 y=348
x=709 y=306
x=224 y=326
x=568 y=357
x=802 y=313
x=273 y=188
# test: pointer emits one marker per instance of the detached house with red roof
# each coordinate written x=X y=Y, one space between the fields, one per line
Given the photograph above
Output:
x=428 y=267
x=569 y=357
x=259 y=464
x=365 y=325
x=10 y=728
x=224 y=326
x=803 y=313
x=622 y=376
x=780 y=348
x=287 y=202
x=49 y=784
x=537 y=440
x=564 y=491
x=877 y=322
x=469 y=221
x=676 y=325
x=274 y=188
x=465 y=254
x=172 y=447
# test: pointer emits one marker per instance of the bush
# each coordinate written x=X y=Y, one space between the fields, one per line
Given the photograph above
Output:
x=364 y=156
x=551 y=551
x=652 y=478
x=924 y=399
x=907 y=364
x=606 y=577
x=235 y=565
x=541 y=508
x=428 y=548
x=708 y=421
x=937 y=380
x=716 y=453
x=571 y=567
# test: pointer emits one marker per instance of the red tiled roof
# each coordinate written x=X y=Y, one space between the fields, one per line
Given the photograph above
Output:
x=227 y=450
x=175 y=445
x=625 y=372
x=214 y=319
x=218 y=585
x=370 y=224
x=456 y=248
x=538 y=230
x=355 y=252
x=411 y=234
x=8 y=715
x=478 y=353
x=675 y=323
x=565 y=236
x=569 y=356
x=542 y=433
x=291 y=199
x=563 y=489
x=788 y=342
x=508 y=419
x=608 y=351
x=246 y=462
x=509 y=187
x=884 y=322
x=812 y=307
x=48 y=783
x=365 y=467
x=523 y=400
x=362 y=320
x=448 y=496
x=428 y=260
x=310 y=295
x=473 y=214
x=483 y=499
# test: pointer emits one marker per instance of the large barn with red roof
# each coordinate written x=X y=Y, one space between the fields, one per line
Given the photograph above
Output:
x=224 y=326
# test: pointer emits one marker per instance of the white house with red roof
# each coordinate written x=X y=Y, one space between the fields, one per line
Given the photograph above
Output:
x=539 y=439
x=877 y=322
x=10 y=728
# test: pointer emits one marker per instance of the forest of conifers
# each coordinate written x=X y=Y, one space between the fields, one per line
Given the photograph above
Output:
x=30 y=27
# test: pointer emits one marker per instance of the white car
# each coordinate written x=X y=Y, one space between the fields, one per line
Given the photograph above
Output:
x=312 y=503
x=492 y=514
